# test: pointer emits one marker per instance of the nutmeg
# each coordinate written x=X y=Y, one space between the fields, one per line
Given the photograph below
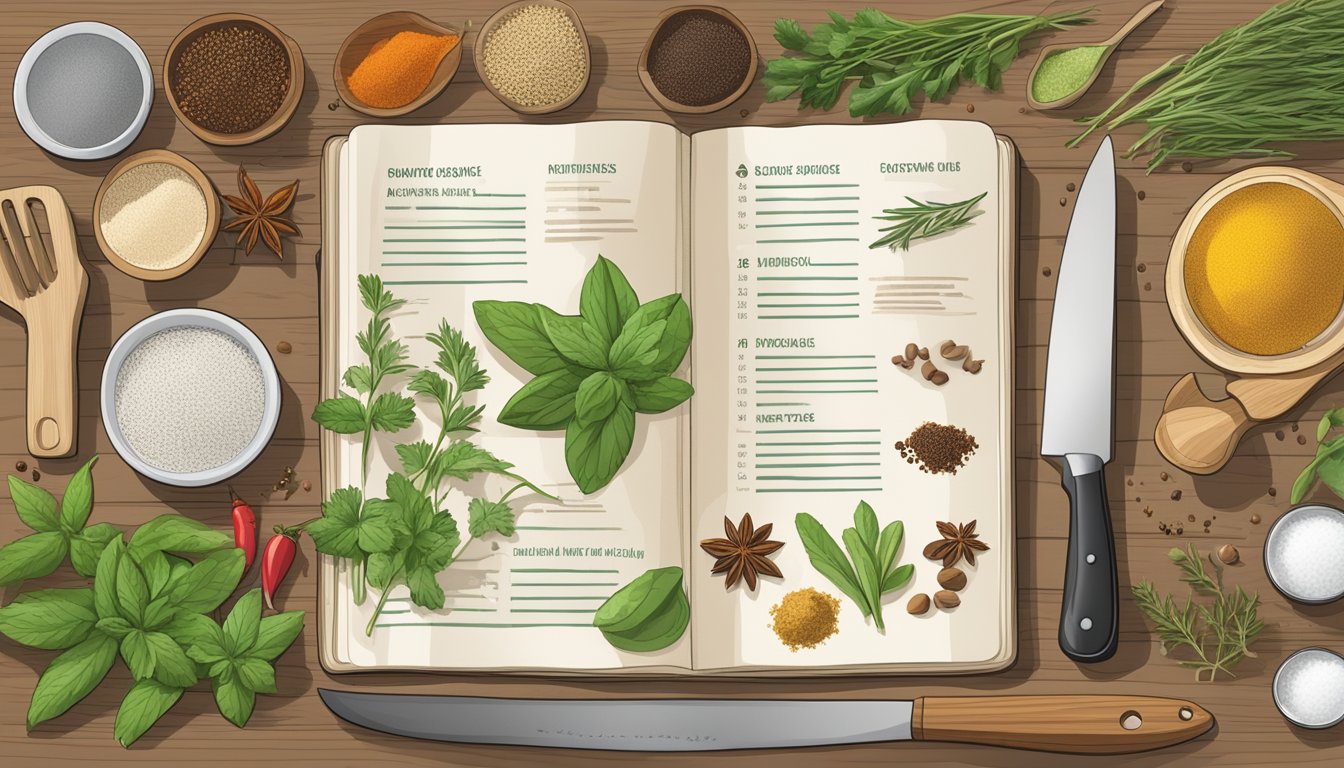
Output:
x=972 y=366
x=938 y=378
x=950 y=350
x=1228 y=554
x=918 y=605
x=952 y=578
x=923 y=353
x=927 y=370
x=946 y=599
x=911 y=351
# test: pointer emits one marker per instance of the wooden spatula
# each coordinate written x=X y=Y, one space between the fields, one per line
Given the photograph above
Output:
x=44 y=280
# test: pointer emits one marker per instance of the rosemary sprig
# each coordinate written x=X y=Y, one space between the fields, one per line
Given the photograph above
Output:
x=1273 y=80
x=1218 y=635
x=924 y=219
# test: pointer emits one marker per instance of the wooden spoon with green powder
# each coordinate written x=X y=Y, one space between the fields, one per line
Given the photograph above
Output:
x=1064 y=72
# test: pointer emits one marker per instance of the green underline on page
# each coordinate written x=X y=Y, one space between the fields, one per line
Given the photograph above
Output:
x=834 y=264
x=396 y=207
x=797 y=431
x=806 y=278
x=816 y=381
x=816 y=453
x=807 y=293
x=562 y=528
x=487 y=626
x=806 y=213
x=455 y=264
x=822 y=368
x=811 y=391
x=806 y=479
x=811 y=466
x=557 y=610
x=470 y=208
x=454 y=240
x=454 y=282
x=454 y=253
x=456 y=226
x=810 y=240
x=566 y=584
x=457 y=221
x=534 y=597
x=803 y=186
x=798 y=306
x=809 y=442
x=815 y=357
x=804 y=199
x=816 y=490
x=809 y=224
x=562 y=570
x=500 y=194
x=780 y=405
x=806 y=317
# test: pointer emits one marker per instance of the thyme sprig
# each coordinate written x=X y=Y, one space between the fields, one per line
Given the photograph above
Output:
x=1219 y=634
x=923 y=219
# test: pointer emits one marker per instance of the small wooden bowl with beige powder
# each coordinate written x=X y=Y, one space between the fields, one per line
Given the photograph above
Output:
x=155 y=216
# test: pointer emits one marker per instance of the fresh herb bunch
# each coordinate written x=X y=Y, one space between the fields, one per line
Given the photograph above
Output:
x=1219 y=635
x=1272 y=80
x=1328 y=463
x=893 y=60
x=594 y=370
x=925 y=219
x=408 y=538
x=873 y=572
x=148 y=605
x=58 y=529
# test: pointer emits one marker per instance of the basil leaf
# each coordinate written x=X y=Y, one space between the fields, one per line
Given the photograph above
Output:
x=77 y=501
x=171 y=665
x=865 y=522
x=898 y=577
x=634 y=351
x=870 y=583
x=676 y=336
x=105 y=581
x=156 y=570
x=88 y=545
x=661 y=394
x=174 y=533
x=519 y=331
x=209 y=582
x=32 y=556
x=70 y=677
x=1331 y=472
x=50 y=619
x=826 y=557
x=343 y=415
x=607 y=300
x=887 y=546
x=115 y=626
x=577 y=340
x=425 y=589
x=489 y=517
x=544 y=403
x=145 y=703
x=234 y=699
x=36 y=506
x=132 y=591
x=595 y=450
x=598 y=396
x=244 y=621
x=159 y=612
x=138 y=655
x=276 y=634
x=392 y=412
x=256 y=675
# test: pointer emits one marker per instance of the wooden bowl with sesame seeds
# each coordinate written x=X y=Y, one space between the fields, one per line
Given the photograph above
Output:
x=220 y=21
x=478 y=55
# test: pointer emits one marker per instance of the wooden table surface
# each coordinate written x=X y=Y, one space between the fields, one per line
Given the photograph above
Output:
x=278 y=300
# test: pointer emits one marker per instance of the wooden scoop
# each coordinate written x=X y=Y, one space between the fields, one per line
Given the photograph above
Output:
x=1112 y=44
x=44 y=280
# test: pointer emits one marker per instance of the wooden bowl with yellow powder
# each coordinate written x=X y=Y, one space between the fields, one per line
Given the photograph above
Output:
x=155 y=215
x=1255 y=283
x=396 y=63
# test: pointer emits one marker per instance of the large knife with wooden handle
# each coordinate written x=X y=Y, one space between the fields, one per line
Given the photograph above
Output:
x=1090 y=724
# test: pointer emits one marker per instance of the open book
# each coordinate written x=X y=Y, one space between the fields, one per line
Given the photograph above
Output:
x=766 y=232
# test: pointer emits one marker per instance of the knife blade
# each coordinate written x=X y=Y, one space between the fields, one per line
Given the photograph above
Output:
x=1088 y=724
x=1079 y=412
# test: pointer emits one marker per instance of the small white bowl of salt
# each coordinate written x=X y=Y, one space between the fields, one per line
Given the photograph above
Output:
x=1309 y=688
x=1304 y=554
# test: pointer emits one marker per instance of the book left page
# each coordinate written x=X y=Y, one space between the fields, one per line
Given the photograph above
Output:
x=451 y=215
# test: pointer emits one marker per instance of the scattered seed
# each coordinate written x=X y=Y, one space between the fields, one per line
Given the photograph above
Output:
x=1187 y=166
x=307 y=485
x=972 y=366
x=36 y=475
x=1129 y=481
x=1228 y=554
x=1164 y=476
x=1255 y=519
x=743 y=113
x=918 y=605
x=1147 y=286
x=1294 y=427
x=1190 y=518
x=1142 y=267
x=1142 y=194
x=1063 y=201
x=911 y=351
x=1301 y=439
x=284 y=348
x=1278 y=434
x=923 y=353
x=1070 y=186
x=1273 y=491
x=1045 y=271
x=1148 y=511
x=946 y=599
x=952 y=578
x=970 y=107
x=1176 y=495
x=21 y=466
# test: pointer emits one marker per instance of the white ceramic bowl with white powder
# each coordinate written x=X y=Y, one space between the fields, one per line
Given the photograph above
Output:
x=1304 y=554
x=189 y=397
x=1309 y=688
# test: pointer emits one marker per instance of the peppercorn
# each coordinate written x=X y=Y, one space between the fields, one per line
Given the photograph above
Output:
x=232 y=78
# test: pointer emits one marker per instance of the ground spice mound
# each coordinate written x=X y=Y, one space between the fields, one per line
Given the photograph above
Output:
x=805 y=618
x=938 y=448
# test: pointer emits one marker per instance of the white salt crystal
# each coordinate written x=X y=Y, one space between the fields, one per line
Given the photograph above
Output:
x=1309 y=688
x=1304 y=554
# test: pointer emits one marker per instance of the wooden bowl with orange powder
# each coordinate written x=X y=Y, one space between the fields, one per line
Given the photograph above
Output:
x=1255 y=283
x=396 y=63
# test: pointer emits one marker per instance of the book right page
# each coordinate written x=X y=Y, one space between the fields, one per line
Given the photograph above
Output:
x=818 y=254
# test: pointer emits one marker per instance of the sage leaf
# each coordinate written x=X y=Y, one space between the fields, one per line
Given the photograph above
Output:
x=115 y=626
x=577 y=340
x=277 y=633
x=544 y=403
x=174 y=533
x=888 y=544
x=865 y=567
x=88 y=545
x=209 y=582
x=156 y=571
x=865 y=522
x=489 y=517
x=343 y=415
x=234 y=699
x=50 y=619
x=36 y=506
x=132 y=591
x=244 y=622
x=70 y=677
x=661 y=394
x=597 y=397
x=606 y=299
x=144 y=704
x=633 y=353
x=171 y=665
x=826 y=556
x=105 y=581
x=595 y=450
x=138 y=654
x=898 y=578
x=519 y=331
x=77 y=501
x=32 y=557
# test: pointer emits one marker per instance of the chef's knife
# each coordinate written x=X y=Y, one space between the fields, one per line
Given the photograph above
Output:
x=1079 y=404
x=1078 y=724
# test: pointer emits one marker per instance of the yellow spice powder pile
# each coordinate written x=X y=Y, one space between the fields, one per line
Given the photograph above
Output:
x=805 y=618
x=1264 y=271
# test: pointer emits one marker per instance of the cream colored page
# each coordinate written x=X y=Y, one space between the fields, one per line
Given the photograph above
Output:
x=799 y=406
x=502 y=214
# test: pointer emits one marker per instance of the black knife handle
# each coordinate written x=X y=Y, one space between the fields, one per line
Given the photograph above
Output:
x=1089 y=619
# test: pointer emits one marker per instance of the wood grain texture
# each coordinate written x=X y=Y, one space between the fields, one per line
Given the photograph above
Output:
x=278 y=300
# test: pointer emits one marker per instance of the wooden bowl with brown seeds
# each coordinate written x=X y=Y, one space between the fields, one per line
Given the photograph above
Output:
x=522 y=74
x=678 y=56
x=368 y=35
x=233 y=79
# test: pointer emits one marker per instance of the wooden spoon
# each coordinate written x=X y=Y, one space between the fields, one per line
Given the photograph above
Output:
x=1112 y=43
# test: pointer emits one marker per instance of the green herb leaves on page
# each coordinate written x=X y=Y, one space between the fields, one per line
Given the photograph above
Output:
x=870 y=570
x=923 y=219
x=593 y=371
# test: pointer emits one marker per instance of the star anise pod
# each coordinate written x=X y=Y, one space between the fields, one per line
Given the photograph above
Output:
x=259 y=217
x=743 y=554
x=959 y=541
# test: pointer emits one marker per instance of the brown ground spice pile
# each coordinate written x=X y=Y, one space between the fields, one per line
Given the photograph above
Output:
x=805 y=618
x=938 y=448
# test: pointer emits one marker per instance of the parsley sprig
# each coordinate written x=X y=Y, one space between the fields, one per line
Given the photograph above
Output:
x=1219 y=634
x=894 y=60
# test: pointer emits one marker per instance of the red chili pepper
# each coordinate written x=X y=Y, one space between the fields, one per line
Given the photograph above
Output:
x=276 y=559
x=244 y=530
